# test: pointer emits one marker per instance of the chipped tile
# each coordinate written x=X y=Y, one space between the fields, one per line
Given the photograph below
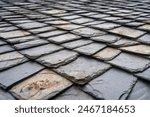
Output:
x=40 y=50
x=77 y=70
x=112 y=85
x=8 y=78
x=74 y=93
x=58 y=58
x=107 y=54
x=131 y=63
x=90 y=49
x=43 y=85
x=129 y=32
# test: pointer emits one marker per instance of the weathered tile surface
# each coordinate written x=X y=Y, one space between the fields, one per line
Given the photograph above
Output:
x=43 y=85
x=5 y=95
x=106 y=26
x=145 y=39
x=58 y=58
x=130 y=62
x=112 y=85
x=107 y=53
x=5 y=48
x=90 y=49
x=144 y=75
x=77 y=70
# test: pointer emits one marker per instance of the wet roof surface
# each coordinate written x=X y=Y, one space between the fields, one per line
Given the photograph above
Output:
x=75 y=49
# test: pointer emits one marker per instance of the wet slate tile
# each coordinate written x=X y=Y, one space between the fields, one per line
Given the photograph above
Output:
x=68 y=27
x=30 y=44
x=141 y=91
x=112 y=85
x=58 y=58
x=10 y=76
x=74 y=93
x=64 y=38
x=77 y=70
x=5 y=48
x=144 y=75
x=106 y=38
x=11 y=59
x=22 y=39
x=145 y=27
x=139 y=49
x=88 y=32
x=12 y=34
x=106 y=26
x=43 y=85
x=107 y=53
x=51 y=33
x=90 y=48
x=145 y=39
x=5 y=95
x=130 y=62
x=31 y=25
x=35 y=52
x=129 y=32
x=76 y=43
x=124 y=42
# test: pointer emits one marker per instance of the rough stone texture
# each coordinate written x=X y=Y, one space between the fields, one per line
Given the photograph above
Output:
x=145 y=74
x=11 y=59
x=129 y=32
x=43 y=85
x=63 y=38
x=54 y=11
x=140 y=49
x=141 y=91
x=6 y=80
x=106 y=26
x=12 y=34
x=112 y=85
x=74 y=93
x=145 y=27
x=130 y=62
x=58 y=58
x=76 y=43
x=88 y=32
x=5 y=95
x=81 y=20
x=107 y=53
x=69 y=27
x=78 y=71
x=145 y=39
x=90 y=49
x=106 y=38
x=30 y=44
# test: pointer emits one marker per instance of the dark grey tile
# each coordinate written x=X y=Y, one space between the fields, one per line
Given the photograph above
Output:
x=112 y=85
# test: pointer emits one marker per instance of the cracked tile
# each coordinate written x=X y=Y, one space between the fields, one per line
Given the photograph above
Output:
x=129 y=32
x=43 y=85
x=131 y=63
x=77 y=70
x=112 y=85
x=107 y=54
x=58 y=58
x=90 y=49
x=7 y=80
x=40 y=50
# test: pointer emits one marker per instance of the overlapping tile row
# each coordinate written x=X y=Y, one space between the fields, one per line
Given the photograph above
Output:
x=75 y=49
